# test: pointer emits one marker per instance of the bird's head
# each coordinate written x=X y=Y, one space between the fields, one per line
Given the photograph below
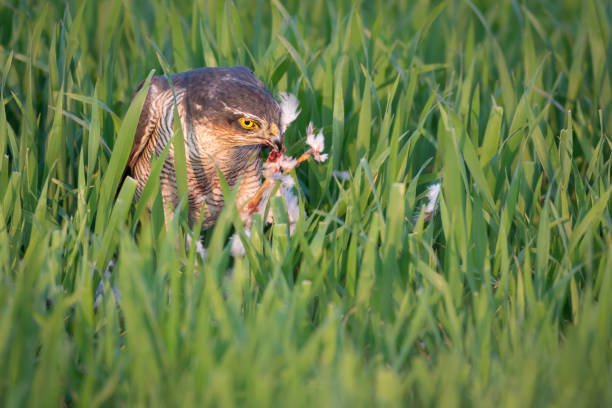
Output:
x=240 y=111
x=251 y=129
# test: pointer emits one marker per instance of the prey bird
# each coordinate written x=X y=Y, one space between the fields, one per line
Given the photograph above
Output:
x=227 y=116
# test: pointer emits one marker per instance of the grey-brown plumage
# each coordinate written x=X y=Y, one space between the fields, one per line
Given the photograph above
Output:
x=227 y=116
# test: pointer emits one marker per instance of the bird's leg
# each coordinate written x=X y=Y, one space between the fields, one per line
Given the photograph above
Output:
x=304 y=156
x=253 y=203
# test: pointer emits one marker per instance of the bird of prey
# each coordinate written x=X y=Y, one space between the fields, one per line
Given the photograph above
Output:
x=227 y=116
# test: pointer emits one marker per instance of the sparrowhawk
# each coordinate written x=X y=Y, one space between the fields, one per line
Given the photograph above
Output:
x=227 y=116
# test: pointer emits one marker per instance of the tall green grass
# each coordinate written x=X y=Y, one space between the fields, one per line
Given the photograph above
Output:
x=504 y=298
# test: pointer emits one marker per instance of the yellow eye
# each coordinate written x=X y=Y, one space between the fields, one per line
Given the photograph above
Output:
x=248 y=123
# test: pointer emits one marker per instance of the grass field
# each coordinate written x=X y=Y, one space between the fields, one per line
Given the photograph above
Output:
x=504 y=298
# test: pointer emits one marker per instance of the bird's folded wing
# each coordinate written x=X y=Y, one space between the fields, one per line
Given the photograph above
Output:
x=148 y=122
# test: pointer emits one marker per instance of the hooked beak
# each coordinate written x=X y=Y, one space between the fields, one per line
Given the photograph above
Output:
x=275 y=138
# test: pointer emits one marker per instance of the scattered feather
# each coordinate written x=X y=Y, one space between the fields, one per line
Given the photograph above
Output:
x=285 y=180
x=237 y=247
x=433 y=192
x=289 y=109
x=342 y=175
x=432 y=196
x=293 y=208
x=316 y=143
x=200 y=250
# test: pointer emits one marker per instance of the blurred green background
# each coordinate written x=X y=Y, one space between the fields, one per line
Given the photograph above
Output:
x=503 y=298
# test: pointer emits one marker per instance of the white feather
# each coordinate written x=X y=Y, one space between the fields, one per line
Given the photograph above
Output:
x=342 y=175
x=432 y=195
x=293 y=208
x=237 y=247
x=200 y=250
x=316 y=143
x=289 y=109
